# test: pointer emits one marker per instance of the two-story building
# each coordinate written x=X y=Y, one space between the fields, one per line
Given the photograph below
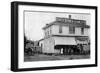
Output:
x=65 y=35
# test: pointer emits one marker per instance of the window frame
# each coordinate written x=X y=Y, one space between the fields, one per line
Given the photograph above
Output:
x=71 y=30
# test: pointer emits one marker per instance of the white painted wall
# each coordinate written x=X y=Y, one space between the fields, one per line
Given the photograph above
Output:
x=65 y=31
x=86 y=32
x=47 y=32
x=55 y=30
x=77 y=31
x=41 y=42
x=48 y=45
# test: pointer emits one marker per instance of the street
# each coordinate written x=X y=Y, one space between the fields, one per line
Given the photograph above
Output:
x=42 y=57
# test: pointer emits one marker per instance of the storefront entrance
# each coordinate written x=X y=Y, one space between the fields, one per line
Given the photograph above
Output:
x=83 y=45
x=67 y=49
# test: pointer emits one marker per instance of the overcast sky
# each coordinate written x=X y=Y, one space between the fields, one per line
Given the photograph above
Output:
x=35 y=21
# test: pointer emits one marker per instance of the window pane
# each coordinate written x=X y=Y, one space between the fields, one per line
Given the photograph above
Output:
x=60 y=29
x=82 y=30
x=72 y=30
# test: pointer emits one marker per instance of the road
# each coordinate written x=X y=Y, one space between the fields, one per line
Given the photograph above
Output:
x=42 y=57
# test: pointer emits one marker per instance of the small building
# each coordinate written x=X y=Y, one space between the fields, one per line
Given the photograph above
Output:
x=65 y=35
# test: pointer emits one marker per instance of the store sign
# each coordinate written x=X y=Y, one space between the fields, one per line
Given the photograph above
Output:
x=69 y=20
x=82 y=40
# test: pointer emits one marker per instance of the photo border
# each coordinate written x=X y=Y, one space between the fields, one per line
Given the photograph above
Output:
x=14 y=35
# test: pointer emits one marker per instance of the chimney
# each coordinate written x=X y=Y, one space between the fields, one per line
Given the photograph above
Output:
x=69 y=16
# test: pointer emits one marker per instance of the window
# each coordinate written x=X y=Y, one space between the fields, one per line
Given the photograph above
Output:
x=50 y=31
x=82 y=30
x=45 y=34
x=72 y=30
x=60 y=29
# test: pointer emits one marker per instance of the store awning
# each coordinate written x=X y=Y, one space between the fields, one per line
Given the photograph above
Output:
x=65 y=41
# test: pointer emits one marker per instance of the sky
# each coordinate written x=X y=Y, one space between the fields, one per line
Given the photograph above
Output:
x=35 y=20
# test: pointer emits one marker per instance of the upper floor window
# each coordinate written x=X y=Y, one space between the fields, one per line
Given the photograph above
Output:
x=82 y=30
x=60 y=29
x=71 y=30
x=50 y=31
x=47 y=33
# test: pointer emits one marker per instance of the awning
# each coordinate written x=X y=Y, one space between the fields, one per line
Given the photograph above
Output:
x=65 y=41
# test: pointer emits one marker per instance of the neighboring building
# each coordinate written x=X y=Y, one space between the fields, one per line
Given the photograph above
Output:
x=65 y=35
